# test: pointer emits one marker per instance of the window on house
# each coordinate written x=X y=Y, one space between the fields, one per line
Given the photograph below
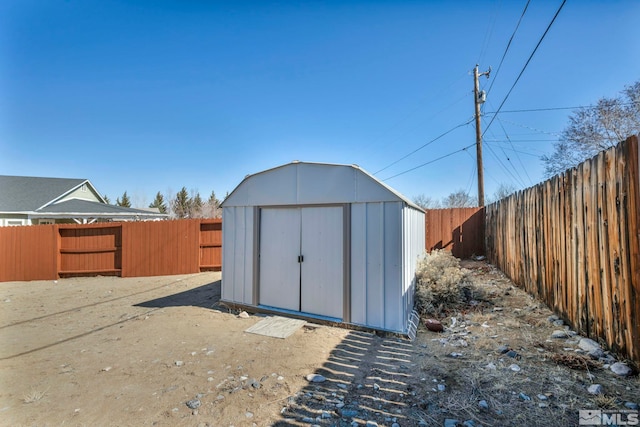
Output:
x=46 y=221
x=14 y=222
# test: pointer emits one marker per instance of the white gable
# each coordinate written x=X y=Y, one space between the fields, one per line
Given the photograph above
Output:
x=311 y=183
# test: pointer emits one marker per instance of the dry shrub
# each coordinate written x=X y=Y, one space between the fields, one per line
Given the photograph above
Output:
x=441 y=282
x=576 y=361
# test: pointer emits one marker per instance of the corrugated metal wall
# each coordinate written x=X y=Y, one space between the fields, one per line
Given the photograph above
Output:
x=376 y=265
x=413 y=248
x=239 y=251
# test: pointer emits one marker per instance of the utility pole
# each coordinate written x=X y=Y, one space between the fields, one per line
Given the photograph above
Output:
x=479 y=98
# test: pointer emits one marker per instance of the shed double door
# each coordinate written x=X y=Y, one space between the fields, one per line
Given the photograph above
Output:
x=301 y=259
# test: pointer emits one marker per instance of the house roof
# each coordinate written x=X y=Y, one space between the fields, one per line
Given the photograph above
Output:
x=28 y=193
x=45 y=198
x=310 y=183
x=79 y=208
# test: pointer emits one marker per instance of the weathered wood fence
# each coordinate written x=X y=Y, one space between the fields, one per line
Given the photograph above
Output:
x=459 y=230
x=127 y=249
x=573 y=241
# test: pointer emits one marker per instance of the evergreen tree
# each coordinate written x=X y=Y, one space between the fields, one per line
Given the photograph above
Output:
x=181 y=204
x=211 y=209
x=125 y=202
x=158 y=203
x=196 y=206
x=106 y=199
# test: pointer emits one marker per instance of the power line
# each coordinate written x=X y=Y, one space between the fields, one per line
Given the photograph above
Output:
x=533 y=110
x=424 y=145
x=431 y=161
x=526 y=64
x=506 y=169
x=521 y=152
x=517 y=156
x=521 y=140
x=495 y=76
x=420 y=105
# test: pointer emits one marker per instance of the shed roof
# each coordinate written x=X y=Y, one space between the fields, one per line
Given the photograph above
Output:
x=310 y=183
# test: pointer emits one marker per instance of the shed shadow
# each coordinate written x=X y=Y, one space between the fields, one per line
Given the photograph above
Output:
x=367 y=378
x=205 y=296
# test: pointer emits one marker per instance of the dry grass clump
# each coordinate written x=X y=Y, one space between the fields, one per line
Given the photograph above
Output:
x=575 y=361
x=441 y=282
x=34 y=396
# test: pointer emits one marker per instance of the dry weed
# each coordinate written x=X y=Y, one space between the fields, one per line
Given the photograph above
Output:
x=576 y=361
x=442 y=283
x=35 y=396
x=606 y=402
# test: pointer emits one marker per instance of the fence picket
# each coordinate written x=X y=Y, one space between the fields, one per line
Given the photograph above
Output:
x=577 y=245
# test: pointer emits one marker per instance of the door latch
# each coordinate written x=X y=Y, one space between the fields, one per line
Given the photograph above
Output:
x=300 y=258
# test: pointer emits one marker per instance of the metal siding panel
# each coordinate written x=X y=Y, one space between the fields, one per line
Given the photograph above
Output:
x=413 y=236
x=238 y=255
x=323 y=184
x=228 y=259
x=375 y=265
x=393 y=304
x=248 y=256
x=322 y=267
x=359 y=253
x=368 y=190
x=279 y=250
x=275 y=187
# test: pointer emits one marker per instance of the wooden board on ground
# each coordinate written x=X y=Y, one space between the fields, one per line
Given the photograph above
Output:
x=276 y=326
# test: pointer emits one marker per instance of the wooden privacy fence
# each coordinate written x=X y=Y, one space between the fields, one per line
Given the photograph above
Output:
x=459 y=230
x=573 y=241
x=127 y=249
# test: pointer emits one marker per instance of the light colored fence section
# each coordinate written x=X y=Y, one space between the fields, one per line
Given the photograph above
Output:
x=573 y=241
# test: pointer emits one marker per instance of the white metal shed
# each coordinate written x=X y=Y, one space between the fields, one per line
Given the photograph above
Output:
x=322 y=241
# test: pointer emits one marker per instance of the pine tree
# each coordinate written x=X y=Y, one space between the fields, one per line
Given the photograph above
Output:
x=181 y=205
x=106 y=199
x=196 y=206
x=211 y=208
x=158 y=203
x=125 y=202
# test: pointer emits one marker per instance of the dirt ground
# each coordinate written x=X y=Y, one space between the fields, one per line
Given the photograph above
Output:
x=108 y=351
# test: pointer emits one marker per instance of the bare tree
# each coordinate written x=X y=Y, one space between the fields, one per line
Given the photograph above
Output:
x=426 y=202
x=503 y=191
x=592 y=130
x=459 y=199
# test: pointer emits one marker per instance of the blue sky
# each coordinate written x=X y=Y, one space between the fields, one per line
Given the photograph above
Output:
x=151 y=96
